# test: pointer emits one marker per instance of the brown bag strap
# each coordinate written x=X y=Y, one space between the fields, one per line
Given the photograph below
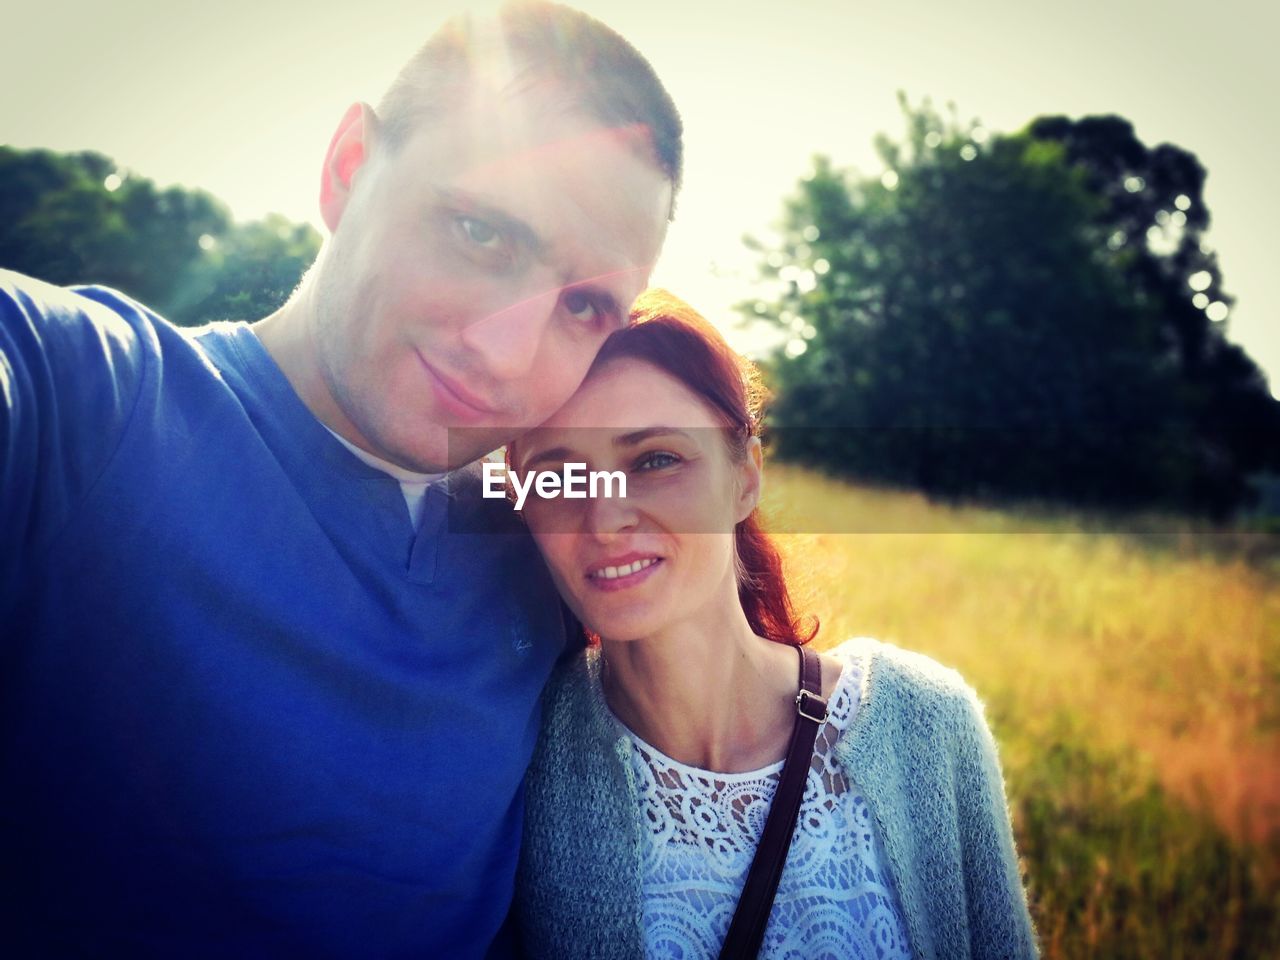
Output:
x=746 y=931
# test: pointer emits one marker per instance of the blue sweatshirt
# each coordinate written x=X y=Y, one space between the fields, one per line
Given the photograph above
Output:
x=248 y=710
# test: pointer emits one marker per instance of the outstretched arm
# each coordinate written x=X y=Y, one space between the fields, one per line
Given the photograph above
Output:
x=70 y=371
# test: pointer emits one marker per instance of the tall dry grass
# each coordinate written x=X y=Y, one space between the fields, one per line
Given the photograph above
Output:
x=1133 y=683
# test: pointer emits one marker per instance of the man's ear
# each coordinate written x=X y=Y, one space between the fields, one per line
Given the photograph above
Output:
x=750 y=480
x=351 y=144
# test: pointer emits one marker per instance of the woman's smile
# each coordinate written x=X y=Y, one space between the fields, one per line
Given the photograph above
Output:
x=621 y=575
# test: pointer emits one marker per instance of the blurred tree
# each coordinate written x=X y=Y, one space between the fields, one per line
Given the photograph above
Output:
x=992 y=317
x=1154 y=207
x=76 y=218
x=247 y=271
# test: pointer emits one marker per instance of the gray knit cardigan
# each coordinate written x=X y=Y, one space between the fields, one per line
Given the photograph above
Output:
x=918 y=748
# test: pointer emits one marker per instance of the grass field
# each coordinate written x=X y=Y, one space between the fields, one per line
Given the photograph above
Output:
x=1133 y=684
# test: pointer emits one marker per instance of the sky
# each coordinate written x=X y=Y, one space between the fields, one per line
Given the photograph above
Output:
x=240 y=98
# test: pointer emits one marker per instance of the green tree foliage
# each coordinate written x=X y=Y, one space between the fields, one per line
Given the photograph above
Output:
x=76 y=218
x=247 y=272
x=1013 y=316
x=1157 y=195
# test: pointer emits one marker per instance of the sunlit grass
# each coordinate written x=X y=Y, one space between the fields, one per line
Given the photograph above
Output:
x=1133 y=684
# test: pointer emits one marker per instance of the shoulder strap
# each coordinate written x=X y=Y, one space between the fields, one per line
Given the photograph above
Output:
x=746 y=931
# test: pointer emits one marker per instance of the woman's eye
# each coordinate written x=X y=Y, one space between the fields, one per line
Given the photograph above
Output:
x=479 y=232
x=581 y=306
x=657 y=460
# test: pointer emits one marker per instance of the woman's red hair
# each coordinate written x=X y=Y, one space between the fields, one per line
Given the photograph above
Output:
x=668 y=333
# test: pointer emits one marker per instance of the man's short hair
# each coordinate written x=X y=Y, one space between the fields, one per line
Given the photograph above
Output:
x=605 y=75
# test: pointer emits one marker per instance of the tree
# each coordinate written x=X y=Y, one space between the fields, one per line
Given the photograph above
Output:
x=1154 y=207
x=77 y=218
x=972 y=324
x=246 y=272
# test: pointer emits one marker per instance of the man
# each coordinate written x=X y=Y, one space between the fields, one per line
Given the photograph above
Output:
x=258 y=701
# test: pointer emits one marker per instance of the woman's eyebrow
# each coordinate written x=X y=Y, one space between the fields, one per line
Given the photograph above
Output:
x=550 y=455
x=648 y=433
x=563 y=454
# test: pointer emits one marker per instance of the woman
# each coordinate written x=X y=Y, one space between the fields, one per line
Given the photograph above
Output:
x=662 y=746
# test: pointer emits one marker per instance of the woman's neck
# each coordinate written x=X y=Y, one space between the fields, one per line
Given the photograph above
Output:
x=708 y=693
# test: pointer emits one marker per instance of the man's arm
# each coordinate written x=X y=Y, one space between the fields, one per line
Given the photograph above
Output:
x=70 y=374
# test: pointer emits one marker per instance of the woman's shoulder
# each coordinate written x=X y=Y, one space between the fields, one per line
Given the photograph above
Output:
x=573 y=705
x=573 y=680
x=904 y=691
x=884 y=663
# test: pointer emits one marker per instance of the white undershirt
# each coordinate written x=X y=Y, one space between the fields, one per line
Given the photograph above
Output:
x=412 y=485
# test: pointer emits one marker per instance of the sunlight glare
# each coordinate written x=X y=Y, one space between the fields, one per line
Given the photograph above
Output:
x=1162 y=242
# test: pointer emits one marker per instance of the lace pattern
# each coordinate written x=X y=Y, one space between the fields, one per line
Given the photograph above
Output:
x=835 y=898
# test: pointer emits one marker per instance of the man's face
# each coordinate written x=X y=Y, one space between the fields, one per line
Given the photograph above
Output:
x=475 y=271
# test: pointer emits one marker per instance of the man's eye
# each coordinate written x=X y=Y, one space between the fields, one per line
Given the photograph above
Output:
x=479 y=232
x=582 y=306
x=656 y=460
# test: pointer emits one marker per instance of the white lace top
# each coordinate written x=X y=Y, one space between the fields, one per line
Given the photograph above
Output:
x=834 y=900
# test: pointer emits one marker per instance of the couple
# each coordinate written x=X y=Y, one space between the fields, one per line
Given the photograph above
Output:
x=259 y=700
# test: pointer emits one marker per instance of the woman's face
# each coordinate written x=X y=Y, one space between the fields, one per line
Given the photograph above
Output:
x=634 y=567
